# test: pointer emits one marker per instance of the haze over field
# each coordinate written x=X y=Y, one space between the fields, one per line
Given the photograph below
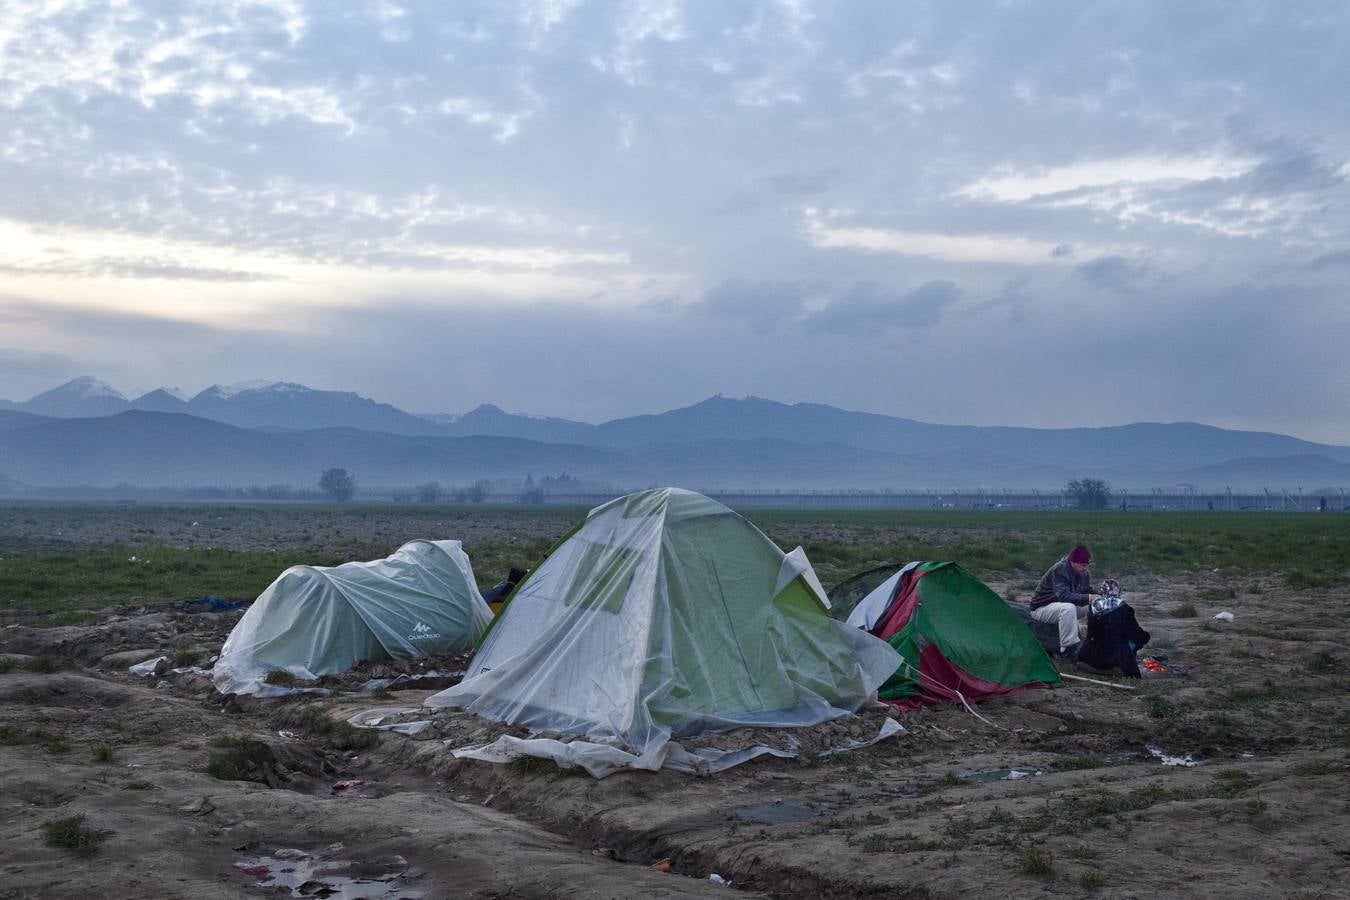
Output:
x=85 y=434
x=1047 y=215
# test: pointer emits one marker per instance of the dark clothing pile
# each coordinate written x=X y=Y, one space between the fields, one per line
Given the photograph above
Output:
x=1113 y=639
x=502 y=589
x=1061 y=584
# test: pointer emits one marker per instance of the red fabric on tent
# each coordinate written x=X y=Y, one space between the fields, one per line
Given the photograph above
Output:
x=939 y=678
x=904 y=600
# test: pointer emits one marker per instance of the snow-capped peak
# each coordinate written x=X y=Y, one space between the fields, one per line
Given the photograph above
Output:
x=91 y=387
x=227 y=391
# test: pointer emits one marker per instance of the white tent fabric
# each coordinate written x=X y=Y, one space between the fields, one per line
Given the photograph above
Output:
x=668 y=614
x=871 y=608
x=316 y=620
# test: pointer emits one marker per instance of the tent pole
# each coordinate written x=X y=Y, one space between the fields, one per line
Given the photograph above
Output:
x=1123 y=687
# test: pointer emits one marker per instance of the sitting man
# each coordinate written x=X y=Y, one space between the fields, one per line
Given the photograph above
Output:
x=1064 y=592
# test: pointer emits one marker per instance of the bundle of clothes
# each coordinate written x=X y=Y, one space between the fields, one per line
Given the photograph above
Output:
x=1113 y=635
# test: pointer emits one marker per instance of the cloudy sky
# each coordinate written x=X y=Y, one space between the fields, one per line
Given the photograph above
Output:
x=1007 y=213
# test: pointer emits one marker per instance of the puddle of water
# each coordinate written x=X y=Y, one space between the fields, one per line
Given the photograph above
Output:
x=778 y=813
x=1167 y=760
x=984 y=776
x=336 y=879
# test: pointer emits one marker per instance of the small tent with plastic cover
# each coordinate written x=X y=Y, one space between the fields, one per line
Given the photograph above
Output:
x=959 y=640
x=666 y=614
x=318 y=620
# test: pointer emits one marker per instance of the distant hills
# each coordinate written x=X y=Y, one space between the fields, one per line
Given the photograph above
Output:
x=86 y=433
x=276 y=404
x=150 y=448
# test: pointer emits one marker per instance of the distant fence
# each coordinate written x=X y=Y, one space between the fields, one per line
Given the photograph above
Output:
x=1330 y=501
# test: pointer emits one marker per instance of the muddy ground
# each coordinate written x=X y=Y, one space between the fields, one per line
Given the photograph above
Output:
x=1264 y=711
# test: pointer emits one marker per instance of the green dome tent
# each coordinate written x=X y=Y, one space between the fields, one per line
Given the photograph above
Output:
x=317 y=620
x=664 y=614
x=959 y=640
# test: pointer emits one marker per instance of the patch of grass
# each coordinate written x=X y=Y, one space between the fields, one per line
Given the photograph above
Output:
x=1211 y=625
x=5 y=664
x=998 y=816
x=101 y=752
x=230 y=741
x=1217 y=595
x=185 y=657
x=1185 y=610
x=876 y=842
x=1092 y=880
x=1162 y=708
x=1231 y=782
x=1040 y=863
x=59 y=579
x=1253 y=696
x=69 y=617
x=281 y=677
x=318 y=724
x=45 y=664
x=225 y=766
x=847 y=823
x=54 y=743
x=49 y=575
x=1321 y=767
x=1300 y=580
x=139 y=786
x=1082 y=853
x=1323 y=663
x=382 y=693
x=1255 y=588
x=960 y=828
x=71 y=834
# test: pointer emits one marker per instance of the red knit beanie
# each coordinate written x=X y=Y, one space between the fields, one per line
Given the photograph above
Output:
x=1081 y=555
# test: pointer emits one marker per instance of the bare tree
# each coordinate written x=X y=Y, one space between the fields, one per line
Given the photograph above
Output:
x=429 y=492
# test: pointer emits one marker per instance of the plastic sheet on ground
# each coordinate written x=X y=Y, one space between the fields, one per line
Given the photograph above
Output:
x=380 y=718
x=147 y=668
x=605 y=759
x=262 y=689
x=375 y=684
x=316 y=620
x=665 y=614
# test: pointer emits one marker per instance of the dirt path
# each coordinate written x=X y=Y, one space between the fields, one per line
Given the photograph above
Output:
x=1265 y=711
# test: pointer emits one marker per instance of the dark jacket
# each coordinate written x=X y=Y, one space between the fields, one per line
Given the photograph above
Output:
x=1061 y=584
x=1113 y=640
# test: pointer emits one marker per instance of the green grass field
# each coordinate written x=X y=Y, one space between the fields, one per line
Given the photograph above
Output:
x=60 y=563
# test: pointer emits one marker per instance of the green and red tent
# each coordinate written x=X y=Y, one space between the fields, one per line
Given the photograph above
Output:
x=959 y=640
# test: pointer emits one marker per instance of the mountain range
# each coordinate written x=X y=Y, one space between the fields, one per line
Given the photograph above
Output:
x=86 y=433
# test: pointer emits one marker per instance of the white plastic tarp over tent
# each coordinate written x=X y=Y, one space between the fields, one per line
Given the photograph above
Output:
x=667 y=614
x=316 y=620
